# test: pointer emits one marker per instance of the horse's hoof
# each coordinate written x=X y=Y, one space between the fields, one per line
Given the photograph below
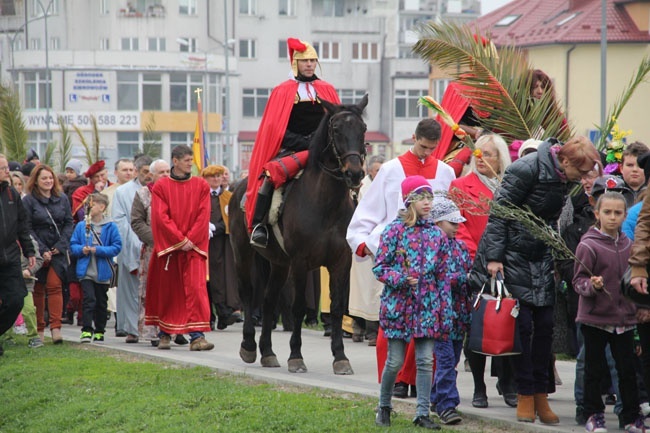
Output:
x=342 y=367
x=297 y=366
x=269 y=361
x=248 y=356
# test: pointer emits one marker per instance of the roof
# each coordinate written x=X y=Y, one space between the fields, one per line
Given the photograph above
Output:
x=371 y=136
x=543 y=22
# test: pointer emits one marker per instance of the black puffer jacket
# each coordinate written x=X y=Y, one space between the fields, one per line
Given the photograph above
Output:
x=13 y=227
x=527 y=262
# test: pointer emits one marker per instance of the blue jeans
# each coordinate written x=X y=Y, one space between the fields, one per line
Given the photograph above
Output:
x=424 y=365
x=444 y=392
x=578 y=387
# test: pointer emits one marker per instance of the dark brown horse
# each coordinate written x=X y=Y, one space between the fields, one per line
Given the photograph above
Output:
x=313 y=223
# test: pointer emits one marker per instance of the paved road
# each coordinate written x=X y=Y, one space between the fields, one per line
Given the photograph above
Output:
x=317 y=354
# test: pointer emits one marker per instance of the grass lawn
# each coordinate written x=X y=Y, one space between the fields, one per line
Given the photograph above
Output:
x=84 y=388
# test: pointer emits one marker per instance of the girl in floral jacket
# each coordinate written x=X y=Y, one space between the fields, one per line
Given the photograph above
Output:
x=410 y=260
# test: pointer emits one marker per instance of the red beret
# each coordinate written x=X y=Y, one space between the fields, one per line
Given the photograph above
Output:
x=94 y=169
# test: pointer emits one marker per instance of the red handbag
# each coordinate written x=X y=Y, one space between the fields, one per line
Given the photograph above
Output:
x=494 y=329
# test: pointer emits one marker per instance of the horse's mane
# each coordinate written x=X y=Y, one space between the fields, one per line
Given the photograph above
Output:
x=319 y=141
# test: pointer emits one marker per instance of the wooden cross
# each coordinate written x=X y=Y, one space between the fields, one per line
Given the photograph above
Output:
x=198 y=93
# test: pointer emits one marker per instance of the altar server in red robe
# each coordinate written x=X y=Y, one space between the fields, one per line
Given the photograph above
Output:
x=177 y=301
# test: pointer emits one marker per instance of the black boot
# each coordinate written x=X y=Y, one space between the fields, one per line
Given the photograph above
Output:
x=260 y=234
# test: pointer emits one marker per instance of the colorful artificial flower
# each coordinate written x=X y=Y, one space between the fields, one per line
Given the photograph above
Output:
x=615 y=148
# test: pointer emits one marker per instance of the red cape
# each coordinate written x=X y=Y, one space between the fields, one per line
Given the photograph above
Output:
x=271 y=132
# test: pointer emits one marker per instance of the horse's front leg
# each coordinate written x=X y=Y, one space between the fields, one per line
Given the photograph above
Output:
x=298 y=281
x=277 y=277
x=339 y=292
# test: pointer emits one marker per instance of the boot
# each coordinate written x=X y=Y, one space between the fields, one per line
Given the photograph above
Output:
x=260 y=234
x=525 y=408
x=543 y=410
x=382 y=419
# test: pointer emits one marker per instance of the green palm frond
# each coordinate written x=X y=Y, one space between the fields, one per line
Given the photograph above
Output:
x=82 y=138
x=615 y=111
x=498 y=86
x=48 y=158
x=151 y=145
x=65 y=145
x=96 y=143
x=12 y=126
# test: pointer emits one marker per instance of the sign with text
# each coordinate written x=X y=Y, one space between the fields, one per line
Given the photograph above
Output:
x=106 y=120
x=89 y=90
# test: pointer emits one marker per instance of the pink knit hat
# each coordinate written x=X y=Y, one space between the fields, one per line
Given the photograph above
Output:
x=414 y=185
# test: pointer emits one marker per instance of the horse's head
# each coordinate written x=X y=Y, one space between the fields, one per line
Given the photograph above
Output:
x=346 y=139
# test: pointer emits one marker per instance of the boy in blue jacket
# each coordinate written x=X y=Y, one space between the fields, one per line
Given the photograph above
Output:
x=95 y=241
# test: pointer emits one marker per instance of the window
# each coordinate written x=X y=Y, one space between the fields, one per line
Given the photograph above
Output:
x=18 y=44
x=328 y=8
x=182 y=96
x=128 y=144
x=246 y=49
x=104 y=7
x=55 y=43
x=104 y=44
x=37 y=141
x=287 y=8
x=327 y=51
x=406 y=104
x=130 y=44
x=351 y=96
x=8 y=8
x=187 y=7
x=176 y=138
x=283 y=51
x=365 y=51
x=51 y=7
x=248 y=7
x=37 y=91
x=189 y=45
x=254 y=101
x=151 y=91
x=127 y=91
x=439 y=87
x=35 y=44
x=156 y=44
x=506 y=21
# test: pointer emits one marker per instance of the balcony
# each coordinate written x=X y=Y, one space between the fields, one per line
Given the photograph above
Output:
x=347 y=24
x=151 y=11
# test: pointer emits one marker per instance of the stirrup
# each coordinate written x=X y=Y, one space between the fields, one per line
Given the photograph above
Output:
x=260 y=236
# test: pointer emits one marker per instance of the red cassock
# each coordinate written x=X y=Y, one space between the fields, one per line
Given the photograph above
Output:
x=271 y=132
x=177 y=299
x=471 y=230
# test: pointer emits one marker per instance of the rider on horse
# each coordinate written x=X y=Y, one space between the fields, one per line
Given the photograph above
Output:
x=292 y=114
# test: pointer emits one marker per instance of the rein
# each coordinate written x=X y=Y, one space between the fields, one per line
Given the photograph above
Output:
x=337 y=172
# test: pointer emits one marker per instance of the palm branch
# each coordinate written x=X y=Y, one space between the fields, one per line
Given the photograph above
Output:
x=65 y=145
x=48 y=158
x=498 y=86
x=82 y=138
x=12 y=126
x=96 y=142
x=615 y=111
x=151 y=145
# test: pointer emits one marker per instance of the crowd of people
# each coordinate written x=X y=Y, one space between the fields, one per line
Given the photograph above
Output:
x=153 y=248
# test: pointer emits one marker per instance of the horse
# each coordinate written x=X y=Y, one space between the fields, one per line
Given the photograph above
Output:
x=316 y=212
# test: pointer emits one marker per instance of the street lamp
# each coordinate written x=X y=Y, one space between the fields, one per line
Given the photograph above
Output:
x=47 y=66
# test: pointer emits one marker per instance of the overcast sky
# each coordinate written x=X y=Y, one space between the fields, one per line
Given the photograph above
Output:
x=490 y=5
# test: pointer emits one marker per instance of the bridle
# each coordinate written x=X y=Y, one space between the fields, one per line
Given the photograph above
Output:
x=340 y=158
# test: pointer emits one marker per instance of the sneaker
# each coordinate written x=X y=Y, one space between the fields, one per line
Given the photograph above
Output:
x=20 y=329
x=596 y=423
x=35 y=342
x=98 y=337
x=449 y=416
x=382 y=419
x=86 y=337
x=425 y=422
x=637 y=426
